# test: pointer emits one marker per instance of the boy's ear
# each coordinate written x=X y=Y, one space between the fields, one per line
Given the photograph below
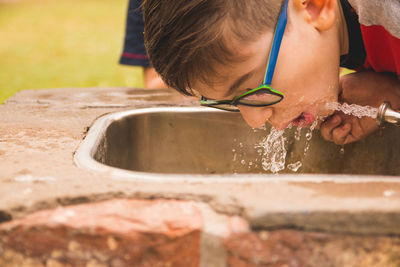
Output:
x=320 y=13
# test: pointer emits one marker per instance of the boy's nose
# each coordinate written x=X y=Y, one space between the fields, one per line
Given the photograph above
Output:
x=255 y=116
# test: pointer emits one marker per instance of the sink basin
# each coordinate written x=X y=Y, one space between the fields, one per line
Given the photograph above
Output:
x=200 y=142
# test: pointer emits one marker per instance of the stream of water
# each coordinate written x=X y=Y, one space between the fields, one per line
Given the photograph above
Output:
x=353 y=109
x=273 y=149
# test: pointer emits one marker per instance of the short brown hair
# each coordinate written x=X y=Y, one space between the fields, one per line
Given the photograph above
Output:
x=186 y=38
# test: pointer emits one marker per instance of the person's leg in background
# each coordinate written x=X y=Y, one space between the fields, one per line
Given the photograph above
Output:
x=134 y=51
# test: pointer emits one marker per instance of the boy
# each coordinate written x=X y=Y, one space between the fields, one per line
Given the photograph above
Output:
x=219 y=49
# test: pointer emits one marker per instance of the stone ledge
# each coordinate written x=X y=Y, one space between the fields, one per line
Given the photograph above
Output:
x=124 y=232
x=119 y=233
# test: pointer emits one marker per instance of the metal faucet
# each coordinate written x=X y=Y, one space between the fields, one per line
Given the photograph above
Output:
x=387 y=114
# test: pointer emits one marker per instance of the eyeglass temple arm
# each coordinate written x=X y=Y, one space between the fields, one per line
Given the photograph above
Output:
x=273 y=54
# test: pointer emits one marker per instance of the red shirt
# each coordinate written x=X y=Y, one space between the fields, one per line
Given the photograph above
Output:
x=382 y=49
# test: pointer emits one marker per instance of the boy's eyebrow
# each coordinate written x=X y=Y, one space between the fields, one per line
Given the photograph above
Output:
x=238 y=82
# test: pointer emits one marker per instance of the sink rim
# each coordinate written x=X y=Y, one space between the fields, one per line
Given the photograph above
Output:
x=83 y=158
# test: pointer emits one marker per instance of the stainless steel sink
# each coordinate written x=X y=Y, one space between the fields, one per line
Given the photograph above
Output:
x=202 y=142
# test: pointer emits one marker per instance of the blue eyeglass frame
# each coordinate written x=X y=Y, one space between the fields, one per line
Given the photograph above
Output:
x=270 y=69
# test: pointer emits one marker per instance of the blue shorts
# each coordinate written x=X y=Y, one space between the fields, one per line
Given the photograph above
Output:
x=134 y=52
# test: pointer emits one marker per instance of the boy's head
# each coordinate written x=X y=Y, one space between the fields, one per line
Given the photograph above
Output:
x=219 y=49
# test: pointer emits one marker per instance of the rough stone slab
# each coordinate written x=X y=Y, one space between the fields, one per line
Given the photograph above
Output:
x=40 y=130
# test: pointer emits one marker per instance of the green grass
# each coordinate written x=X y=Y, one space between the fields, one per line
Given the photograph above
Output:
x=63 y=43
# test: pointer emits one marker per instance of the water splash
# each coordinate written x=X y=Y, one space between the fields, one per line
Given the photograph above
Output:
x=353 y=109
x=309 y=135
x=274 y=151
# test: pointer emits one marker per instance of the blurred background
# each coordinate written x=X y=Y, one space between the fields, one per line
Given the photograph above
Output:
x=63 y=43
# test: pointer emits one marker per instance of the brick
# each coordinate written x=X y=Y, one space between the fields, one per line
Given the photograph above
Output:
x=110 y=233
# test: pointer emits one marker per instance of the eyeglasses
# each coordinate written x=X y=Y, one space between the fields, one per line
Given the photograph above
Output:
x=263 y=95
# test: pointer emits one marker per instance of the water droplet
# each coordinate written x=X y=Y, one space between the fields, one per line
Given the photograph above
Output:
x=235 y=157
x=306 y=148
x=308 y=136
x=294 y=166
x=389 y=193
x=263 y=127
x=314 y=125
x=297 y=134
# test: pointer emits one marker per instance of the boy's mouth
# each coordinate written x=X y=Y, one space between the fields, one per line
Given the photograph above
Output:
x=304 y=119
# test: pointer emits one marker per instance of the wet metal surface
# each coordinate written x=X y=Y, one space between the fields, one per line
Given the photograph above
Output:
x=207 y=142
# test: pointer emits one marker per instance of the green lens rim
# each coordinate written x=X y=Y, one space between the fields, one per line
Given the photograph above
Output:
x=263 y=86
x=204 y=101
x=236 y=100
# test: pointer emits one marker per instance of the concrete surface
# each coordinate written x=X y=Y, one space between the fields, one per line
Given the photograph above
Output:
x=41 y=130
